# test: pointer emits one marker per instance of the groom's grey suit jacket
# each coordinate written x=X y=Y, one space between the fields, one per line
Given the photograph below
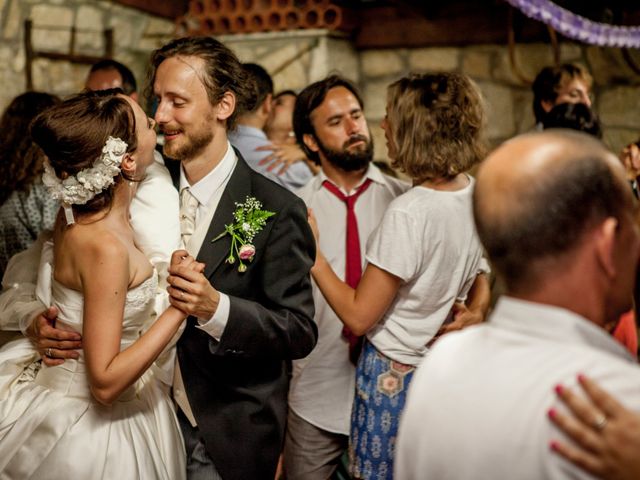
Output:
x=237 y=387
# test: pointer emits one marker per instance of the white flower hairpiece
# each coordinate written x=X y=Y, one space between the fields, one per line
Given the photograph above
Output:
x=86 y=184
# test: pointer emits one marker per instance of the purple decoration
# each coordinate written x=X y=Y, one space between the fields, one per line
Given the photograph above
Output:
x=579 y=28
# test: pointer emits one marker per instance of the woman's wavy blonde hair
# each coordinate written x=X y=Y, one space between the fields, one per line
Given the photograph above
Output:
x=437 y=124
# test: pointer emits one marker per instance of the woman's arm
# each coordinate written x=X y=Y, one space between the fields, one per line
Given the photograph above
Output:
x=284 y=155
x=360 y=308
x=104 y=275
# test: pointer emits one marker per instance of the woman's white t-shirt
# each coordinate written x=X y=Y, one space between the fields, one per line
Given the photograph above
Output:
x=428 y=239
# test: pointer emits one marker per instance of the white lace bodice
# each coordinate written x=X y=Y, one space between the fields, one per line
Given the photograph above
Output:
x=137 y=310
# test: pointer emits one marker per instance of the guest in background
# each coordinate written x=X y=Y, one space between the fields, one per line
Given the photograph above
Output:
x=279 y=129
x=566 y=83
x=630 y=158
x=279 y=126
x=323 y=384
x=249 y=135
x=108 y=73
x=580 y=117
x=25 y=207
x=574 y=116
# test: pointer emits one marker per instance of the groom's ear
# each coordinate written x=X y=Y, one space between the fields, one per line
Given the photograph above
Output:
x=227 y=105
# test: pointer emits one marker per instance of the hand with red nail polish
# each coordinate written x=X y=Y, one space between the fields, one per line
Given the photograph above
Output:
x=606 y=434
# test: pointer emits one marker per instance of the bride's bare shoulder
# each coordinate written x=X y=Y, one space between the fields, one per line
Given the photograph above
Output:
x=82 y=251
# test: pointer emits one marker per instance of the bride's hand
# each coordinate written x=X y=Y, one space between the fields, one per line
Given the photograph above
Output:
x=187 y=285
x=182 y=258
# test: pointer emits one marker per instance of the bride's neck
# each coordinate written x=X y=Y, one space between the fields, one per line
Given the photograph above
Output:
x=122 y=197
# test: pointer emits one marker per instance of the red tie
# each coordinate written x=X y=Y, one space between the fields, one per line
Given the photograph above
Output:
x=354 y=261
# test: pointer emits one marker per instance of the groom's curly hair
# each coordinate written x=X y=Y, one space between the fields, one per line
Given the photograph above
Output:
x=222 y=72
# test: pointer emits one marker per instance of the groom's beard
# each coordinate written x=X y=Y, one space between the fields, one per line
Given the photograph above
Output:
x=190 y=143
x=349 y=160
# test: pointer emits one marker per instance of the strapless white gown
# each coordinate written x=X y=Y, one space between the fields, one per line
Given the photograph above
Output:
x=52 y=428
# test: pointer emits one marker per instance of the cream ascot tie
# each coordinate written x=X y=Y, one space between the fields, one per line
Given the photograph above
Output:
x=188 y=207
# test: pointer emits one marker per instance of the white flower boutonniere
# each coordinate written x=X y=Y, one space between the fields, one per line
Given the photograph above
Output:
x=249 y=220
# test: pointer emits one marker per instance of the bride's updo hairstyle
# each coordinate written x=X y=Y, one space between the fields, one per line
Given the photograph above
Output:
x=73 y=133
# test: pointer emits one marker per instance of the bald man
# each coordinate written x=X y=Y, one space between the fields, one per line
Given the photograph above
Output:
x=556 y=217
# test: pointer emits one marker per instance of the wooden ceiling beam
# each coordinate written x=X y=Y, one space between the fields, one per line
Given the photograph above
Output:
x=388 y=27
x=170 y=9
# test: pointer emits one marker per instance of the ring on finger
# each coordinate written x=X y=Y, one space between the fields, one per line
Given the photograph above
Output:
x=600 y=422
x=47 y=353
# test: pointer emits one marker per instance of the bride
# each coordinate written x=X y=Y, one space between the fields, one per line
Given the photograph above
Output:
x=103 y=415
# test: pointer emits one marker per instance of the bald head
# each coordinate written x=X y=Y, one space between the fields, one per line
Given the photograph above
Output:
x=538 y=194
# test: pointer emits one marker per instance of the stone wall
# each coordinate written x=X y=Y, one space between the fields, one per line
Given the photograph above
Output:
x=509 y=98
x=135 y=35
x=297 y=58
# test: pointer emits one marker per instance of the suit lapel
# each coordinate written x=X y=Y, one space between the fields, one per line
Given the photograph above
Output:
x=237 y=190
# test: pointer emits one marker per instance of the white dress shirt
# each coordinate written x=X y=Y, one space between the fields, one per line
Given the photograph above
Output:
x=323 y=383
x=208 y=192
x=477 y=406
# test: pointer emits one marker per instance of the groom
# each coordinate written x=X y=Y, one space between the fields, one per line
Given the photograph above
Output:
x=245 y=325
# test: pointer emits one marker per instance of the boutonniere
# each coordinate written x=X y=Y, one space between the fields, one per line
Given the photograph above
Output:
x=249 y=219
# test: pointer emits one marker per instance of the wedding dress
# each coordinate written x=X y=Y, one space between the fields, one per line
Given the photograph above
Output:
x=52 y=428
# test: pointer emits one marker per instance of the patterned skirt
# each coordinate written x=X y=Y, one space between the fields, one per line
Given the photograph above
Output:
x=381 y=391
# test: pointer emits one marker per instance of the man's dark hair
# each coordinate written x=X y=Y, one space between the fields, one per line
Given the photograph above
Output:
x=308 y=100
x=547 y=83
x=129 y=85
x=574 y=116
x=282 y=93
x=551 y=212
x=222 y=71
x=262 y=82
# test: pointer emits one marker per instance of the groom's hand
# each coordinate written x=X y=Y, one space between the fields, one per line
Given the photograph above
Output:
x=53 y=344
x=189 y=290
